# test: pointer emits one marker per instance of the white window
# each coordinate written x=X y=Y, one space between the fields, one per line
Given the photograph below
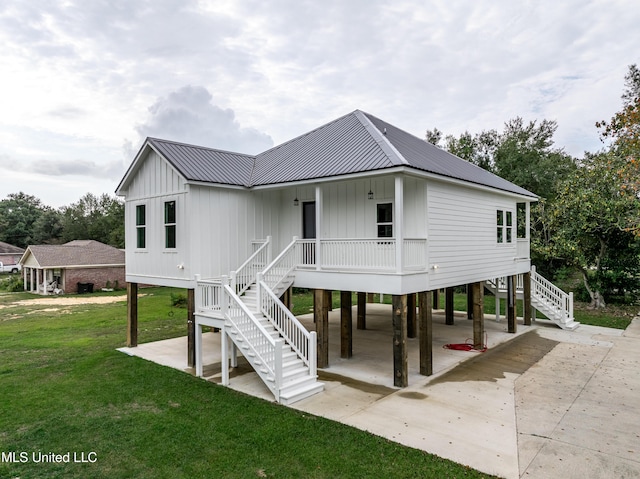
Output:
x=170 y=224
x=141 y=226
x=504 y=226
x=384 y=220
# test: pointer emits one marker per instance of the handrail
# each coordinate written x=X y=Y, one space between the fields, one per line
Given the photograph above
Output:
x=286 y=259
x=549 y=292
x=296 y=335
x=245 y=275
x=255 y=336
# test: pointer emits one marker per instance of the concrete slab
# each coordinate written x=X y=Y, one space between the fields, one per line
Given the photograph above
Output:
x=541 y=403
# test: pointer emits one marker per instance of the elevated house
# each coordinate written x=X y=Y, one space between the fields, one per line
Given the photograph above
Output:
x=356 y=205
x=67 y=268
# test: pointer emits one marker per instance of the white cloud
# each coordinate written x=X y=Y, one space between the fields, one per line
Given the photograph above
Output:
x=187 y=115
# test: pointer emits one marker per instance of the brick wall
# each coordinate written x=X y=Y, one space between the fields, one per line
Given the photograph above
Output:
x=97 y=276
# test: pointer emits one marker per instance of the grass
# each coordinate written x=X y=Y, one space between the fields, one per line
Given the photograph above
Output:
x=64 y=388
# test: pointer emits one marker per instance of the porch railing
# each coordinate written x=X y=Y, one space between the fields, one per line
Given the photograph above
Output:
x=362 y=254
x=208 y=296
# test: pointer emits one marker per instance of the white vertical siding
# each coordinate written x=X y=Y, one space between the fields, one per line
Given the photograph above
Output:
x=462 y=235
x=225 y=221
x=155 y=177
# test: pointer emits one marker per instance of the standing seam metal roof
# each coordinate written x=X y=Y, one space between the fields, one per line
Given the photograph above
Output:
x=354 y=143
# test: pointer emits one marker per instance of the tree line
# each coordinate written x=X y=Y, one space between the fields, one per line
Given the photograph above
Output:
x=588 y=216
x=25 y=220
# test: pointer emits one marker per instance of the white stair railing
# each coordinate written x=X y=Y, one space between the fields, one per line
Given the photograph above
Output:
x=295 y=334
x=552 y=297
x=245 y=275
x=281 y=267
x=262 y=350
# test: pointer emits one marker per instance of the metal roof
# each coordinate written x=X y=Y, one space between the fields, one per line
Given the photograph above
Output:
x=355 y=143
x=424 y=156
x=197 y=163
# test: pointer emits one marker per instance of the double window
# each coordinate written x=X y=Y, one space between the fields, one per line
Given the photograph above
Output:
x=170 y=224
x=504 y=226
x=141 y=226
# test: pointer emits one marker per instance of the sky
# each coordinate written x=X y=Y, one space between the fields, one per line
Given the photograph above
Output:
x=84 y=82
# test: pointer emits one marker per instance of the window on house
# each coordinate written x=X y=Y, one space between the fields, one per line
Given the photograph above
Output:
x=384 y=220
x=170 y=224
x=504 y=226
x=141 y=226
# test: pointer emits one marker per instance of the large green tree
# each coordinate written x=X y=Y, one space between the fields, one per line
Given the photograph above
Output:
x=590 y=223
x=94 y=217
x=623 y=130
x=18 y=214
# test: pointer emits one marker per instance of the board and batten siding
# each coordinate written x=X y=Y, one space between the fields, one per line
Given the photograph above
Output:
x=224 y=223
x=349 y=213
x=155 y=183
x=462 y=244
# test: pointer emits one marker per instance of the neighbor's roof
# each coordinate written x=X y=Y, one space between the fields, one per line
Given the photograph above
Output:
x=6 y=248
x=355 y=143
x=75 y=253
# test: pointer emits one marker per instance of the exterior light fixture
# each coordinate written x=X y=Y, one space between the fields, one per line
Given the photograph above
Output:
x=370 y=194
x=296 y=201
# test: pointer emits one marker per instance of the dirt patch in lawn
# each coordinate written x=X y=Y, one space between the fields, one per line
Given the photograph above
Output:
x=66 y=301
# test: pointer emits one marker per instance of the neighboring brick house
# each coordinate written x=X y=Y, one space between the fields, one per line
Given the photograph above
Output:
x=9 y=254
x=49 y=269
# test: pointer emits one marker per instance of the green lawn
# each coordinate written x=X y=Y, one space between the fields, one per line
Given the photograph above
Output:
x=64 y=388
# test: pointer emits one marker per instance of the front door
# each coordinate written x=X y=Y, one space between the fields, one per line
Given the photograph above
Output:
x=309 y=232
x=309 y=220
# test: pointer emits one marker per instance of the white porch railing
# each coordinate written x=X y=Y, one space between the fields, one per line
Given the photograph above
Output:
x=415 y=253
x=208 y=296
x=362 y=254
x=245 y=275
x=303 y=342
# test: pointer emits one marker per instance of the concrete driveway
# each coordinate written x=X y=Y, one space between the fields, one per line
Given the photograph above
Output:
x=541 y=403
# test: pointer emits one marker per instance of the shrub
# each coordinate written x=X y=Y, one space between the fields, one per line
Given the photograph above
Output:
x=12 y=284
x=179 y=300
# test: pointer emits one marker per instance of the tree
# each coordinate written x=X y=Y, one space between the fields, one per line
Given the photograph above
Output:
x=624 y=131
x=590 y=219
x=48 y=228
x=92 y=217
x=18 y=214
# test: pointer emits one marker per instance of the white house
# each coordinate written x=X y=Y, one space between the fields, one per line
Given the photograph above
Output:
x=354 y=205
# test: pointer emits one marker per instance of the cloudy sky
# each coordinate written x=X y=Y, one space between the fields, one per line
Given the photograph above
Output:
x=85 y=81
